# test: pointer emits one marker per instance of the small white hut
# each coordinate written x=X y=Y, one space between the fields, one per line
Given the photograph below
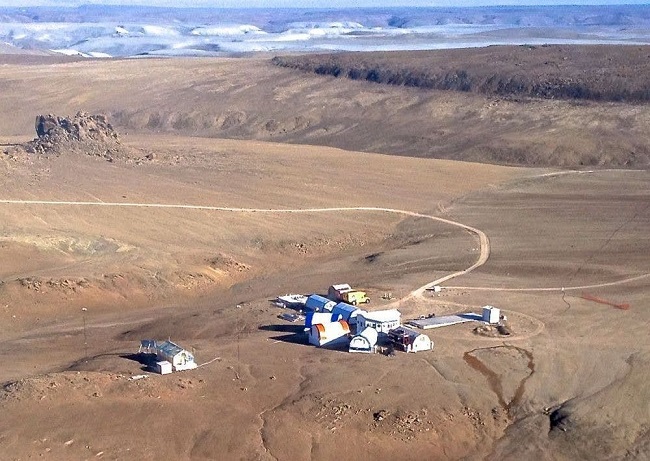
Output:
x=330 y=334
x=176 y=355
x=364 y=342
x=491 y=314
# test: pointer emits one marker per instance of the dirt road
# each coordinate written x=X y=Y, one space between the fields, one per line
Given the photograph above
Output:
x=482 y=237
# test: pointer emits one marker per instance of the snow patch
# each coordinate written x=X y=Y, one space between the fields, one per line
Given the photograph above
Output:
x=227 y=30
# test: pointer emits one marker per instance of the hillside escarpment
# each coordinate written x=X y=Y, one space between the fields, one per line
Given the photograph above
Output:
x=598 y=73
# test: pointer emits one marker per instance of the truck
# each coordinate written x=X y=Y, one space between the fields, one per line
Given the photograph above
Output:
x=355 y=297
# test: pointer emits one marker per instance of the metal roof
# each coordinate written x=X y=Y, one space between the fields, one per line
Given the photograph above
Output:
x=317 y=301
x=370 y=334
x=169 y=348
x=436 y=322
x=344 y=308
x=387 y=315
x=402 y=330
x=341 y=286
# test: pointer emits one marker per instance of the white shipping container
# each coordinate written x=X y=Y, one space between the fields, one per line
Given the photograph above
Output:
x=164 y=367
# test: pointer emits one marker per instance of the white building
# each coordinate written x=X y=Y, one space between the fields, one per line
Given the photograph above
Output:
x=364 y=342
x=382 y=321
x=176 y=355
x=330 y=334
x=164 y=367
x=491 y=314
x=410 y=340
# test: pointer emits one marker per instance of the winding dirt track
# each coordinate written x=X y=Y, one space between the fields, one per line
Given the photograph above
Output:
x=481 y=236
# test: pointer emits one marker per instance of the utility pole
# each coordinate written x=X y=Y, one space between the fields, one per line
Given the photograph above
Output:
x=239 y=328
x=84 y=310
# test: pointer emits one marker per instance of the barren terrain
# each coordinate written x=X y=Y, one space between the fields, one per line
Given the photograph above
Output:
x=254 y=99
x=593 y=72
x=192 y=235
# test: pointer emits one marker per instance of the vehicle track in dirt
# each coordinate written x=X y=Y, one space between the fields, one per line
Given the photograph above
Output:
x=418 y=292
x=480 y=235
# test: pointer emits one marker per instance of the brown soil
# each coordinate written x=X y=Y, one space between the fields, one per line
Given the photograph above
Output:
x=253 y=99
x=569 y=380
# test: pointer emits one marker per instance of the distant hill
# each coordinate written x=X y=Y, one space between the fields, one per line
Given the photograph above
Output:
x=256 y=100
x=599 y=73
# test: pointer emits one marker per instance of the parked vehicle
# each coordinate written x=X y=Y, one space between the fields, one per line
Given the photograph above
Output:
x=355 y=297
x=345 y=293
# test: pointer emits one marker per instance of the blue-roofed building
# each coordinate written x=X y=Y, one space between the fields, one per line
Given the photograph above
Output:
x=319 y=303
x=347 y=312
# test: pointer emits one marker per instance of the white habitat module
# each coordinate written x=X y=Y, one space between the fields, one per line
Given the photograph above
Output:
x=331 y=333
x=491 y=314
x=364 y=342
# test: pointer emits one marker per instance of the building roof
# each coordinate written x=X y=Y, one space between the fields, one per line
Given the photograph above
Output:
x=342 y=308
x=387 y=315
x=148 y=343
x=340 y=327
x=317 y=301
x=342 y=286
x=312 y=318
x=169 y=348
x=370 y=334
x=443 y=321
x=401 y=330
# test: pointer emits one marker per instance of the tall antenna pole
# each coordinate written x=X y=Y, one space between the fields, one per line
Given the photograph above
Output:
x=84 y=310
x=239 y=328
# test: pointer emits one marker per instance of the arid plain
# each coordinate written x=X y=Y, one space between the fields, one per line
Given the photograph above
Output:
x=243 y=135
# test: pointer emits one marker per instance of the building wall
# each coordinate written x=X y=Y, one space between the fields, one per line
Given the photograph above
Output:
x=381 y=327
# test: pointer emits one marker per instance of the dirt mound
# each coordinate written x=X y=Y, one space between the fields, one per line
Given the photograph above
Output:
x=83 y=133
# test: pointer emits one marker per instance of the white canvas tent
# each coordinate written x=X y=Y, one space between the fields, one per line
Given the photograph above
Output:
x=364 y=342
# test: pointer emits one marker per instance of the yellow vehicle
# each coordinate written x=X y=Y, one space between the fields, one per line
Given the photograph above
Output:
x=355 y=297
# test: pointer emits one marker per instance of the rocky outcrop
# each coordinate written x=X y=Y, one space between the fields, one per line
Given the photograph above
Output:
x=84 y=133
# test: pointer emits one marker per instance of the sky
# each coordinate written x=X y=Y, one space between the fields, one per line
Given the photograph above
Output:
x=309 y=3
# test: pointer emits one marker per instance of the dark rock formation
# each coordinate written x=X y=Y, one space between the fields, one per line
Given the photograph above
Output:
x=84 y=133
